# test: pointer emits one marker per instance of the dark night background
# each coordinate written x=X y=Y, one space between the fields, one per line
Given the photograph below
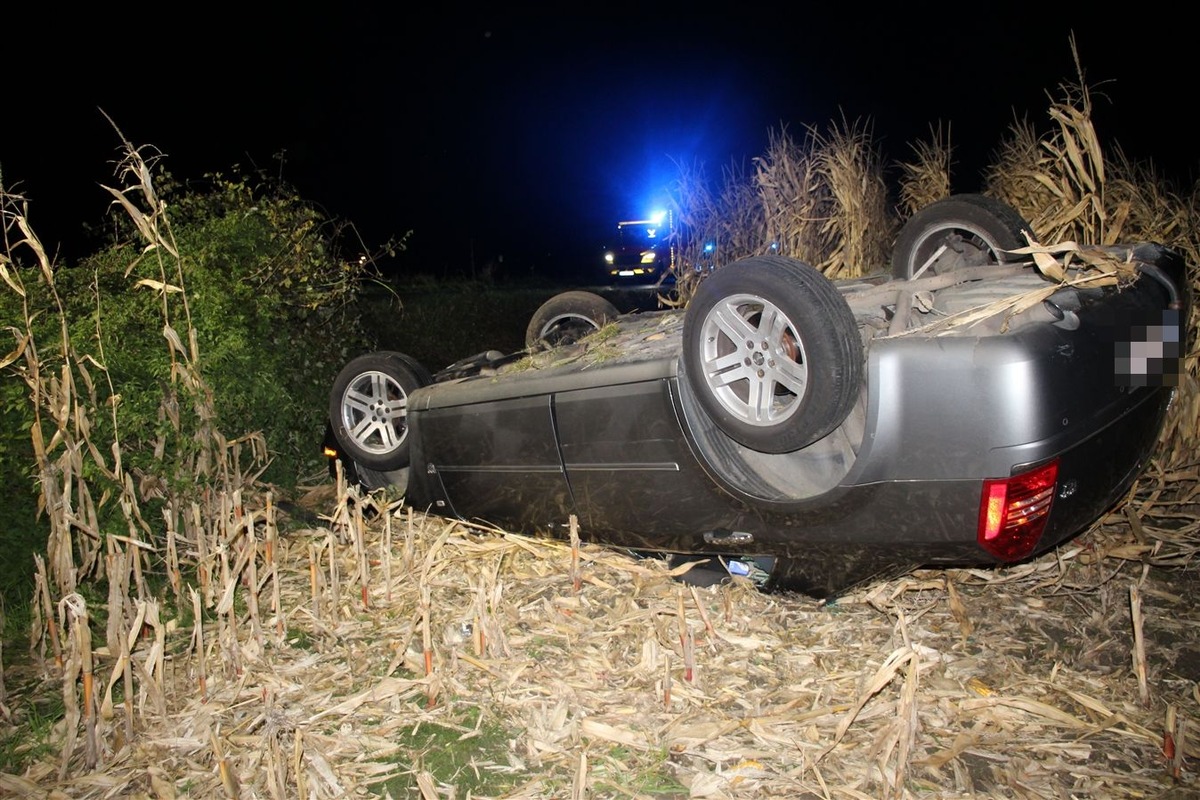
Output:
x=529 y=135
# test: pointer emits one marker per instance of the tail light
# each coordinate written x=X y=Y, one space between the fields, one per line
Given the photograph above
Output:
x=1013 y=512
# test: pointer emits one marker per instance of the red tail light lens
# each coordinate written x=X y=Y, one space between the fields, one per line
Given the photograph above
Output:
x=1013 y=512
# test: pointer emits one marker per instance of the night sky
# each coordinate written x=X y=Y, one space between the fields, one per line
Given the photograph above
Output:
x=529 y=136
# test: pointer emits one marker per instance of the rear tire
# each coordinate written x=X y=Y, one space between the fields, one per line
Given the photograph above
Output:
x=964 y=230
x=772 y=353
x=566 y=318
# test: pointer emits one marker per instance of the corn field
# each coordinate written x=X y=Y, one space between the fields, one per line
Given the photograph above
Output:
x=227 y=657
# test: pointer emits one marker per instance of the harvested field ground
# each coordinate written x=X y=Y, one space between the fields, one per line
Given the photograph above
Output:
x=1071 y=676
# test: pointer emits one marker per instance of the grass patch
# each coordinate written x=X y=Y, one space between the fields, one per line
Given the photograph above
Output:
x=470 y=754
x=635 y=774
x=30 y=738
x=301 y=639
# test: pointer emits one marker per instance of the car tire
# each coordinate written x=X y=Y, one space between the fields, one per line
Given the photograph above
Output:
x=368 y=408
x=974 y=230
x=772 y=327
x=566 y=318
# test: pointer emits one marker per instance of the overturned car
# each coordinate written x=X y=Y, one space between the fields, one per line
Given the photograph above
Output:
x=967 y=407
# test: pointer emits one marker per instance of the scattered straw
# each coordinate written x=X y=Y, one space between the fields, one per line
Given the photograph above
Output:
x=959 y=683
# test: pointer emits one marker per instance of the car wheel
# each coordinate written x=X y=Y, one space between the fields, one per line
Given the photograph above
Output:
x=566 y=318
x=772 y=353
x=965 y=230
x=368 y=408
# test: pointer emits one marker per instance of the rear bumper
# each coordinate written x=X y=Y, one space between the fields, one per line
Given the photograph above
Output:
x=883 y=537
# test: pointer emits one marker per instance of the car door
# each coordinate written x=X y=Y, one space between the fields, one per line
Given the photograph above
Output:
x=632 y=475
x=494 y=460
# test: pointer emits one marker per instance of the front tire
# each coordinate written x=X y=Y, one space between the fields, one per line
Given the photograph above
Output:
x=772 y=353
x=964 y=230
x=368 y=408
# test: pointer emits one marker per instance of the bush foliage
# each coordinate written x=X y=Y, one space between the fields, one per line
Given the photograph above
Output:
x=255 y=279
x=270 y=298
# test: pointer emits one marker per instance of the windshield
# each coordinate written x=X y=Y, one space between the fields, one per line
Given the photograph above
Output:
x=641 y=233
